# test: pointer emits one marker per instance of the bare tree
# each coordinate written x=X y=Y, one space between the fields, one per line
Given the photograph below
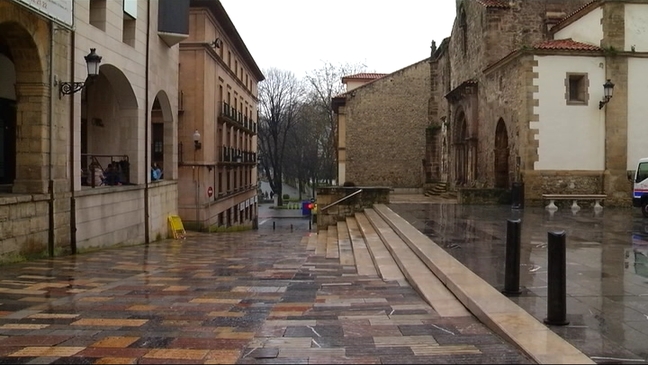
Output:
x=279 y=101
x=324 y=84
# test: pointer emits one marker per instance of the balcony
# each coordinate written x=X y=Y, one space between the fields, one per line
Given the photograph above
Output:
x=230 y=115
x=233 y=157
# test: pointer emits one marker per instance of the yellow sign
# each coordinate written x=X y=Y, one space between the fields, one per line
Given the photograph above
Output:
x=175 y=223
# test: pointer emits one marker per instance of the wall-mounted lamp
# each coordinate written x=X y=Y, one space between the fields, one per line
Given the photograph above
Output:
x=92 y=61
x=196 y=139
x=216 y=43
x=608 y=87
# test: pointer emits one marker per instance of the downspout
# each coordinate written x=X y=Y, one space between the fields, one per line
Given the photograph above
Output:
x=147 y=113
x=50 y=184
x=73 y=226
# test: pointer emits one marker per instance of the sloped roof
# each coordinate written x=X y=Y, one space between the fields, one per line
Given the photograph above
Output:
x=566 y=45
x=494 y=3
x=577 y=14
x=364 y=76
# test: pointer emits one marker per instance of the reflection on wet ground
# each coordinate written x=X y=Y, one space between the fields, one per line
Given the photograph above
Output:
x=607 y=267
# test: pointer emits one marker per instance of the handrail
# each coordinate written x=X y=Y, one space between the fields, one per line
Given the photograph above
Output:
x=341 y=200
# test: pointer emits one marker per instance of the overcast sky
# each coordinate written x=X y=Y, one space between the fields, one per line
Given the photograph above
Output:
x=299 y=35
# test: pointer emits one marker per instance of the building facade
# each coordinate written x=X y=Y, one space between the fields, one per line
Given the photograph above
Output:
x=218 y=123
x=60 y=123
x=525 y=106
x=380 y=120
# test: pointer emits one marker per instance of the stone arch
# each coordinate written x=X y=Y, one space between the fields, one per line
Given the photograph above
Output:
x=110 y=124
x=461 y=149
x=25 y=100
x=501 y=160
x=162 y=133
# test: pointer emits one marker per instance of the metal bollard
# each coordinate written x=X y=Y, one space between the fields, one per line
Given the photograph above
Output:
x=310 y=224
x=290 y=227
x=512 y=268
x=556 y=279
x=273 y=226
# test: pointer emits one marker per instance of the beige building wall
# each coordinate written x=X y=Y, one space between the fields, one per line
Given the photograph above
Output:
x=47 y=210
x=218 y=84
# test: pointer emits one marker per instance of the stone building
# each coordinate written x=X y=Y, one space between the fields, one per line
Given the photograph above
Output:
x=57 y=121
x=218 y=122
x=380 y=120
x=516 y=95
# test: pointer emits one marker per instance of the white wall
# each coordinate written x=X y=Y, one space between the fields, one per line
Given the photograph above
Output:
x=637 y=110
x=587 y=29
x=572 y=137
x=636 y=27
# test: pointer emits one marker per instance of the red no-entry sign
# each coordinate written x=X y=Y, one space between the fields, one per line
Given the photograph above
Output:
x=210 y=191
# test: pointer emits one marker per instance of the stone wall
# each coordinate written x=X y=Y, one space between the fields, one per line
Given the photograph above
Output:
x=24 y=227
x=385 y=124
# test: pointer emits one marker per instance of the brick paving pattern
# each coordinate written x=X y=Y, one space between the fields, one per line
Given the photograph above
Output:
x=248 y=298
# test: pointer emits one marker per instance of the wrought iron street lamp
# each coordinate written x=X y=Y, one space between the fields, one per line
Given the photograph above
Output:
x=92 y=61
x=608 y=88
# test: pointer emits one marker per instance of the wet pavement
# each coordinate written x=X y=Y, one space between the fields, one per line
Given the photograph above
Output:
x=247 y=297
x=606 y=270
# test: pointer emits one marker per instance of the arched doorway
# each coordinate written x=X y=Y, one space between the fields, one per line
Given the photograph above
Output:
x=109 y=124
x=162 y=134
x=461 y=150
x=21 y=74
x=7 y=118
x=501 y=156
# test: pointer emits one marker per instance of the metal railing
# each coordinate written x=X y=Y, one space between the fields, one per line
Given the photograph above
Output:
x=341 y=200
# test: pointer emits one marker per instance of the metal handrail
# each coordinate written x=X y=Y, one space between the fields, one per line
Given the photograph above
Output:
x=341 y=200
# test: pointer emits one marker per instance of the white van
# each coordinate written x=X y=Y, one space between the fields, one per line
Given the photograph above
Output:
x=640 y=189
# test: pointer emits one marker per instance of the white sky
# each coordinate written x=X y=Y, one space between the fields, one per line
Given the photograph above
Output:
x=299 y=35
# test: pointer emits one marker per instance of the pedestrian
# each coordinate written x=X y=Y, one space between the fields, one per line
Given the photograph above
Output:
x=156 y=172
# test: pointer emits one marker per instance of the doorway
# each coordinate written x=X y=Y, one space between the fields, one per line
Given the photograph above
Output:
x=501 y=156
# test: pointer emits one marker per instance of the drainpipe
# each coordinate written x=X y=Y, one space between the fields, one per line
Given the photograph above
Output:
x=73 y=226
x=50 y=185
x=147 y=113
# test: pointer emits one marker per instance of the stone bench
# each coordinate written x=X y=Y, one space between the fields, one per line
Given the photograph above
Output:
x=574 y=198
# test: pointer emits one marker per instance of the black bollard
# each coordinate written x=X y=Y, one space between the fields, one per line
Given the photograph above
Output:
x=512 y=268
x=291 y=228
x=556 y=279
x=310 y=224
x=273 y=226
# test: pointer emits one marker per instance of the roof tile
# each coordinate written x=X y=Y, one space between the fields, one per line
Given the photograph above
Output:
x=494 y=3
x=364 y=76
x=566 y=44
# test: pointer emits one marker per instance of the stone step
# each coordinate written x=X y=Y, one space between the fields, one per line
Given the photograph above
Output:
x=332 y=251
x=364 y=263
x=416 y=272
x=344 y=244
x=384 y=262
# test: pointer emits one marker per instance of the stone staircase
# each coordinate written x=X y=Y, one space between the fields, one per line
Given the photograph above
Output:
x=435 y=189
x=379 y=243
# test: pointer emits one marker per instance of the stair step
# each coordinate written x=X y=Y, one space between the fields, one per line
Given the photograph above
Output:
x=332 y=251
x=364 y=263
x=385 y=264
x=312 y=242
x=416 y=272
x=320 y=249
x=344 y=244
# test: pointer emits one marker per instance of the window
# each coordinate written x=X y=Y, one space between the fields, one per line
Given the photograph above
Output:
x=98 y=14
x=229 y=59
x=577 y=85
x=642 y=172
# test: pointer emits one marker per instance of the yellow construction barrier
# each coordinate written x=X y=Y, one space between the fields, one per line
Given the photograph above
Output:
x=175 y=224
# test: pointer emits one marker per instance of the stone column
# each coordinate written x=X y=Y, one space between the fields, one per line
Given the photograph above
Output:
x=615 y=181
x=32 y=138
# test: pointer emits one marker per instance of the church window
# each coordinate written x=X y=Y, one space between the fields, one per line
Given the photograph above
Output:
x=577 y=89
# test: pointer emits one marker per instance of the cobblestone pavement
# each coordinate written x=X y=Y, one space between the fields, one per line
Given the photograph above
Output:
x=249 y=297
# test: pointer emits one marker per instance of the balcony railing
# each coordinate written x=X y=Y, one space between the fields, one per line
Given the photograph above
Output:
x=236 y=117
x=95 y=171
x=229 y=155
